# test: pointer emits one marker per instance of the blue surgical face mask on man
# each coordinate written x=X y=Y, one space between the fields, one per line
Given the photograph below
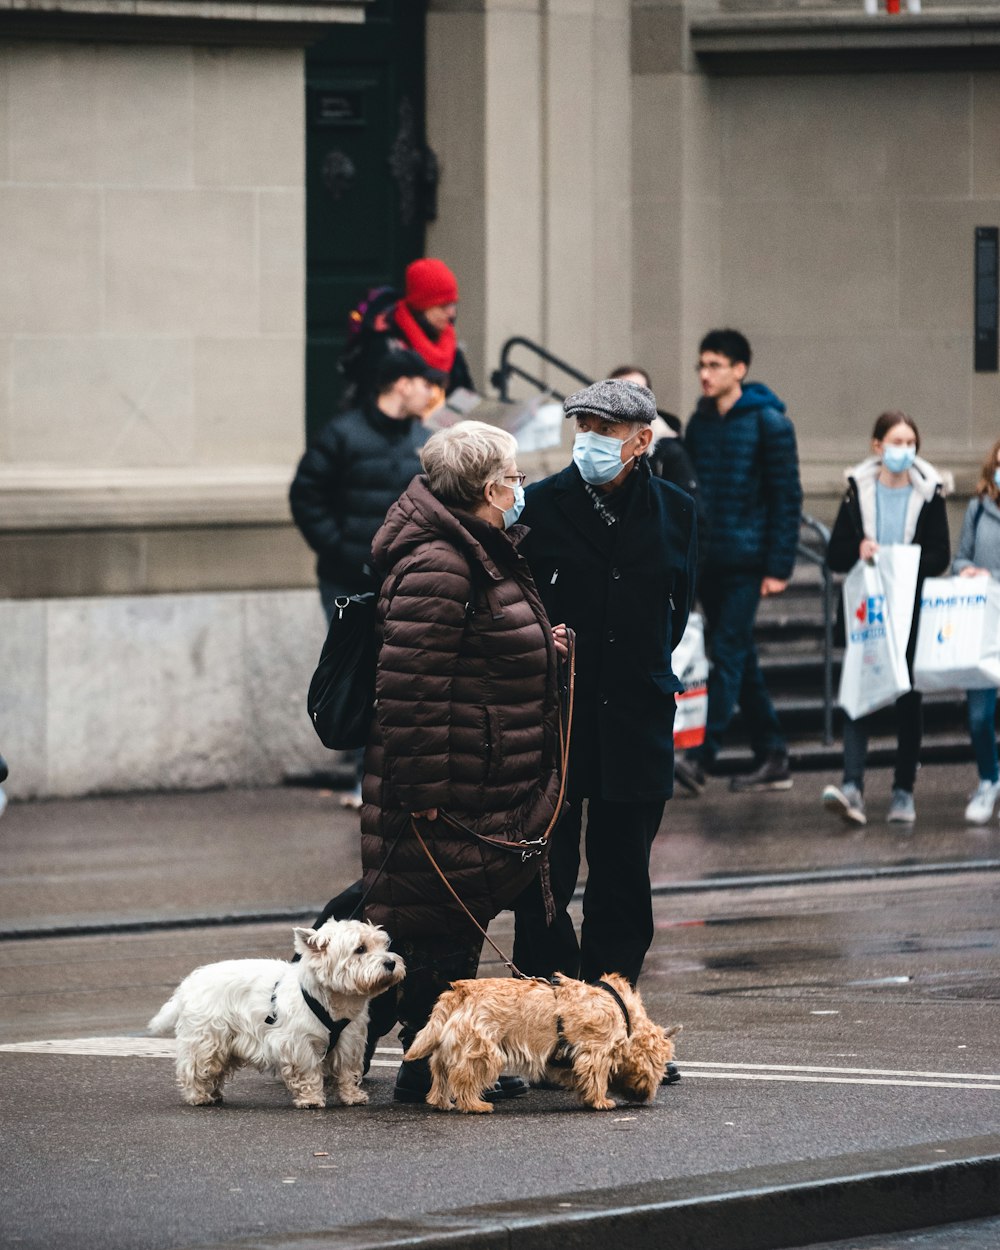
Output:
x=898 y=459
x=599 y=457
x=511 y=514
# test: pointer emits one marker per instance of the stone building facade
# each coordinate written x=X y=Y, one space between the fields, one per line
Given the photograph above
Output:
x=616 y=177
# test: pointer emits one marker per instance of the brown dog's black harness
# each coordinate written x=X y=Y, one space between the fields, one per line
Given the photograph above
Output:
x=561 y=1057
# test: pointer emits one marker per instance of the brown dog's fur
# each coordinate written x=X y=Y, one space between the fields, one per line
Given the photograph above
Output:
x=479 y=1029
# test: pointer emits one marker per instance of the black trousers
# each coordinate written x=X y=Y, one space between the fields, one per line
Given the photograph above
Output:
x=617 y=928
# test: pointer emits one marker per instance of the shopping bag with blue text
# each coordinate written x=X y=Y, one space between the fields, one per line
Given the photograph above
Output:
x=691 y=666
x=878 y=612
x=958 y=637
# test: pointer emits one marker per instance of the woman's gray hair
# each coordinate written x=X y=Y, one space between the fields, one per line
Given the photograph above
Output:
x=460 y=460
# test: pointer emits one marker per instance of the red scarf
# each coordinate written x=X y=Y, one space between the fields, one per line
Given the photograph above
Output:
x=439 y=354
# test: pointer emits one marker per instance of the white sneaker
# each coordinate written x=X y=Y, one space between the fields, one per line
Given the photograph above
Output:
x=982 y=803
x=847 y=802
x=901 y=808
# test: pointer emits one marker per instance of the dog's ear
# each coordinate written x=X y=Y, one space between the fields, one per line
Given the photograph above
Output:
x=306 y=939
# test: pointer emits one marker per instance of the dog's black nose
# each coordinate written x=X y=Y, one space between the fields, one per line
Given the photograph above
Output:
x=389 y=965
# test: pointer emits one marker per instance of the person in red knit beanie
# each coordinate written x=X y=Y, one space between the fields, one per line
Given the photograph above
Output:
x=423 y=321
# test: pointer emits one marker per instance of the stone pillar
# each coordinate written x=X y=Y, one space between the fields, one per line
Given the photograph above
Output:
x=529 y=113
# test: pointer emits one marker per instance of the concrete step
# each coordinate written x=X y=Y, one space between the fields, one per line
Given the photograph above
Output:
x=812 y=755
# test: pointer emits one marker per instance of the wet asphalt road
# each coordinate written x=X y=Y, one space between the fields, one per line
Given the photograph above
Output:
x=822 y=1019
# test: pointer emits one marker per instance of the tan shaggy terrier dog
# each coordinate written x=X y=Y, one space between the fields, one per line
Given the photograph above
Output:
x=306 y=1021
x=591 y=1038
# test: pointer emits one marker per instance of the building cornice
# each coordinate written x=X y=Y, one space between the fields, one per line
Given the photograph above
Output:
x=832 y=42
x=41 y=498
x=276 y=23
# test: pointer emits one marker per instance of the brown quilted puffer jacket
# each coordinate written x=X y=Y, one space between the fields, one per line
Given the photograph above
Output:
x=467 y=719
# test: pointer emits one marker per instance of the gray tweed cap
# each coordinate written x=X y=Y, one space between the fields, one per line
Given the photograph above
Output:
x=613 y=399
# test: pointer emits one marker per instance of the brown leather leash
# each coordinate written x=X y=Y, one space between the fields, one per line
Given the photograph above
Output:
x=527 y=849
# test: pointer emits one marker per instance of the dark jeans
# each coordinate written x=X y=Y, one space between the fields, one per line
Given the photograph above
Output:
x=909 y=731
x=729 y=603
x=617 y=928
x=982 y=706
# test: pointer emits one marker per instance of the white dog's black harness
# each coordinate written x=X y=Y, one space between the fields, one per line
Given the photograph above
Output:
x=561 y=1057
x=333 y=1027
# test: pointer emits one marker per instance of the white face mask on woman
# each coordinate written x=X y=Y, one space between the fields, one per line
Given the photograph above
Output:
x=898 y=458
x=511 y=514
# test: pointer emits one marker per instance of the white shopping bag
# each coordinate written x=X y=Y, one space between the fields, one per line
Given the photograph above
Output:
x=878 y=613
x=691 y=666
x=958 y=637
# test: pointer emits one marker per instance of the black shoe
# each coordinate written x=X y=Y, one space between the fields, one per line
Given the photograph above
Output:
x=413 y=1081
x=689 y=774
x=507 y=1087
x=772 y=773
x=671 y=1074
x=413 y=1084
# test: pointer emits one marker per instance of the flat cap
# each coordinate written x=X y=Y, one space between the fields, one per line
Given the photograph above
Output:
x=614 y=400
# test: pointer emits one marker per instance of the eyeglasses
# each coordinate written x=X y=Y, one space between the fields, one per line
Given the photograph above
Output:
x=711 y=366
x=518 y=478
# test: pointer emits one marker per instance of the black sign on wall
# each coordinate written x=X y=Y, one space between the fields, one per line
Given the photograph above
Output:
x=987 y=245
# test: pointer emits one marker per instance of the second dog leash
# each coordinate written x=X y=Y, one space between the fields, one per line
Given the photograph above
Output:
x=508 y=963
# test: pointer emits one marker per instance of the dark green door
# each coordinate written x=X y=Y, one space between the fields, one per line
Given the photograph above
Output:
x=370 y=180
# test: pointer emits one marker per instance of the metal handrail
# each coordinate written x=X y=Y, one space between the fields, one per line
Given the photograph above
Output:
x=815 y=557
x=500 y=377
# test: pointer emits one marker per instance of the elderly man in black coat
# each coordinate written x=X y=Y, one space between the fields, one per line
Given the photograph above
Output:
x=613 y=553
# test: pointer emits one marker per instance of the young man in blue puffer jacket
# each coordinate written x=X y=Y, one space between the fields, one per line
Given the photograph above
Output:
x=743 y=449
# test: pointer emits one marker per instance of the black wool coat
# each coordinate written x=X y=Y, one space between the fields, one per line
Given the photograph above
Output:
x=346 y=482
x=626 y=590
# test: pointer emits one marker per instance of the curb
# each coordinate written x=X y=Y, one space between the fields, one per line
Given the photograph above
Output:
x=768 y=1208
x=305 y=914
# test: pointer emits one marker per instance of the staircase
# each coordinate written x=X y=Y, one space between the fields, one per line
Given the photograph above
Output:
x=789 y=633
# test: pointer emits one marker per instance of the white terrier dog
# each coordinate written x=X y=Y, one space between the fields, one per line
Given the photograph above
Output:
x=303 y=1021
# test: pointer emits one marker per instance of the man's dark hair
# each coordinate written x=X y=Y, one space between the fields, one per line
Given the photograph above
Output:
x=729 y=343
x=624 y=370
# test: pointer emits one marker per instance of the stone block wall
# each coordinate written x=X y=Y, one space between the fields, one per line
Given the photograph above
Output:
x=158 y=692
x=152 y=254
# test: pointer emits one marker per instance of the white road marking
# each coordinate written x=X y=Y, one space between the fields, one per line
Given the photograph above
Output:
x=832 y=1080
x=126 y=1047
x=165 y=1048
x=789 y=1067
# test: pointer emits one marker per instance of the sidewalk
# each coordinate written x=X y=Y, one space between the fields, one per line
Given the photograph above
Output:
x=838 y=990
x=158 y=859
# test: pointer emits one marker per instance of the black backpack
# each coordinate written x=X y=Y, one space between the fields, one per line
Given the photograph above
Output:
x=341 y=696
x=367 y=319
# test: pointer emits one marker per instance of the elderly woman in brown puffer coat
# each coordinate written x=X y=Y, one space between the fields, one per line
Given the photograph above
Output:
x=466 y=735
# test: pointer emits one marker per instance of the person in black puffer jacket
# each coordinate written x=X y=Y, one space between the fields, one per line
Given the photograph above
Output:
x=356 y=469
x=743 y=449
x=351 y=476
